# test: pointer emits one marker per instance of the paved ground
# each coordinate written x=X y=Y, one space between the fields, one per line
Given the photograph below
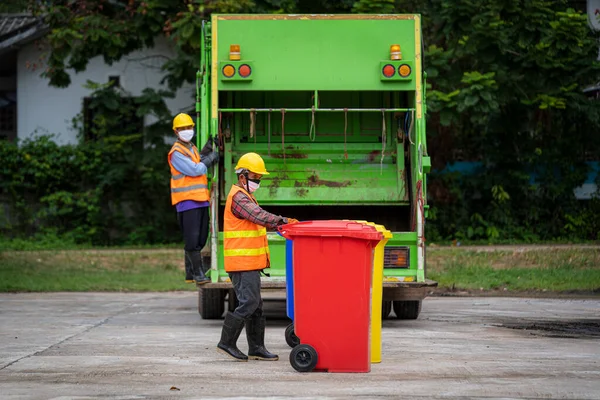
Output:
x=137 y=346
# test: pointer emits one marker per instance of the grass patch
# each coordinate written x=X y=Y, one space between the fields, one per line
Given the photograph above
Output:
x=92 y=270
x=554 y=270
x=513 y=241
x=53 y=242
x=557 y=270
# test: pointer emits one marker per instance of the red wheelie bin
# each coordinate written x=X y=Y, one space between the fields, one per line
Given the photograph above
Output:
x=333 y=270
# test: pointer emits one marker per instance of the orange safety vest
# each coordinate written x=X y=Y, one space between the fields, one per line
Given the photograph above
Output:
x=244 y=242
x=185 y=187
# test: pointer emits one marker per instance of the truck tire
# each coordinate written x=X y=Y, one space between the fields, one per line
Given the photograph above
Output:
x=232 y=301
x=407 y=309
x=211 y=303
x=386 y=309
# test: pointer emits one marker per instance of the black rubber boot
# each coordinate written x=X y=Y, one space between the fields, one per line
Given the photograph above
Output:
x=232 y=328
x=189 y=273
x=197 y=269
x=255 y=332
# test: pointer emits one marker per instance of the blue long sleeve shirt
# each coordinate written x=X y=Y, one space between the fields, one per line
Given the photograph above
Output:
x=186 y=166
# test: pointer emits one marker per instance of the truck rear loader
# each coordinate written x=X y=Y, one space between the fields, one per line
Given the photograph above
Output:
x=335 y=105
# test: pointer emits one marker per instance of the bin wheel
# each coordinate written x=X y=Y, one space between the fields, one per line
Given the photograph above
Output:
x=290 y=336
x=386 y=309
x=407 y=309
x=303 y=358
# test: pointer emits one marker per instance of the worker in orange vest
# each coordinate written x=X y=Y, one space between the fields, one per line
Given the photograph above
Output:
x=190 y=194
x=246 y=254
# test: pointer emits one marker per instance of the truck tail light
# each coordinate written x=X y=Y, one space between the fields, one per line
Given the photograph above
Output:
x=396 y=257
x=395 y=52
x=389 y=70
x=245 y=70
x=404 y=70
x=234 y=52
x=228 y=70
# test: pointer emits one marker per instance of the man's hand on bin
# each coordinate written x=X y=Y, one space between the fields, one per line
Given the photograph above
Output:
x=285 y=221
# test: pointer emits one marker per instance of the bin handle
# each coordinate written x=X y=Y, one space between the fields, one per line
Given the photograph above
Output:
x=281 y=231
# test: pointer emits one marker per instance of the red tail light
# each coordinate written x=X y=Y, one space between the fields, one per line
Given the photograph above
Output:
x=245 y=70
x=389 y=71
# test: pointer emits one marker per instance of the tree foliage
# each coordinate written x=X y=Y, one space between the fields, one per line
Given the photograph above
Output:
x=113 y=189
x=104 y=192
x=505 y=89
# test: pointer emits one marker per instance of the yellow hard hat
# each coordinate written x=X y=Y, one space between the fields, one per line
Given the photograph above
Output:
x=182 y=120
x=253 y=163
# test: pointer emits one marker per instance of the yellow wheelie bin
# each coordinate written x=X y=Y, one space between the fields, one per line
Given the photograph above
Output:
x=377 y=296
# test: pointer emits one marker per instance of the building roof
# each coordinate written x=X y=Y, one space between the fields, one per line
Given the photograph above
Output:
x=18 y=29
x=12 y=23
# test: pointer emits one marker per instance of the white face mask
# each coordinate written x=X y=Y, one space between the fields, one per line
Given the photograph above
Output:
x=252 y=186
x=186 y=135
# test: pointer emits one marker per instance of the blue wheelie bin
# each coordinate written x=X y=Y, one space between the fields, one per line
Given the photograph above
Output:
x=290 y=337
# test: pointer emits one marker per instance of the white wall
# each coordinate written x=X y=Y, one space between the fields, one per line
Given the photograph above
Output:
x=43 y=109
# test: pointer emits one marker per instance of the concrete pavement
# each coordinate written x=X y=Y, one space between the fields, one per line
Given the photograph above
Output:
x=140 y=345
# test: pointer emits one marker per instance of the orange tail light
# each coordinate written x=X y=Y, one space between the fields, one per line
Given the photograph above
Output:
x=228 y=70
x=395 y=52
x=234 y=52
x=404 y=70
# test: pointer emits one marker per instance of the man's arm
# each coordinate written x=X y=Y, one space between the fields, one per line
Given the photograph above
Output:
x=244 y=208
x=186 y=166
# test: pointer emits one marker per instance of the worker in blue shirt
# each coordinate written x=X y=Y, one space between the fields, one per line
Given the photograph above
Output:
x=190 y=194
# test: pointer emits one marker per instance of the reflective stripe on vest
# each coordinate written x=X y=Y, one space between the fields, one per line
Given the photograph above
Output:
x=239 y=234
x=189 y=188
x=185 y=187
x=245 y=243
x=246 y=252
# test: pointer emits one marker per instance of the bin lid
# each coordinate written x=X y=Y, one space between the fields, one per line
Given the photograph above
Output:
x=380 y=228
x=330 y=228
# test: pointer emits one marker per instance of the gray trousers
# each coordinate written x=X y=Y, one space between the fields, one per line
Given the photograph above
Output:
x=246 y=285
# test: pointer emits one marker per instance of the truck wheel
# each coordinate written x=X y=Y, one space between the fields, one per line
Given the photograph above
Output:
x=211 y=303
x=407 y=309
x=386 y=309
x=303 y=358
x=290 y=336
x=232 y=301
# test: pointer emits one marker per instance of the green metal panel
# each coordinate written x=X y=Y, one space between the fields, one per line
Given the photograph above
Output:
x=341 y=116
x=327 y=176
x=321 y=54
x=364 y=166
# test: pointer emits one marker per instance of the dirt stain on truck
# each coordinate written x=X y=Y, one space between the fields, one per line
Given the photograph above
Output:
x=314 y=181
x=294 y=155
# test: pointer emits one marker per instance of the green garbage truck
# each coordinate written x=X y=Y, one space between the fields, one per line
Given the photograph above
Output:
x=335 y=105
